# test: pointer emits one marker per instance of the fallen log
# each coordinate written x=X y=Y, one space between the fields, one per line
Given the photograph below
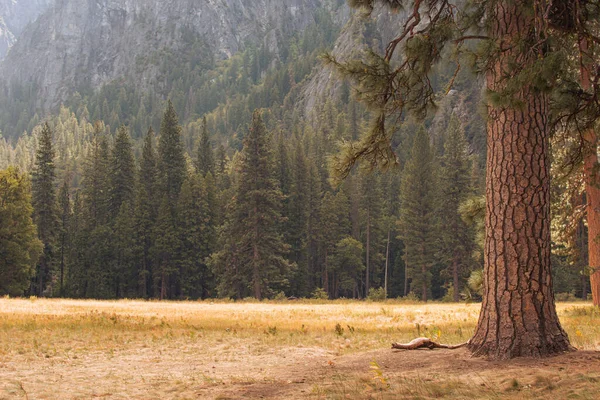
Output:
x=425 y=343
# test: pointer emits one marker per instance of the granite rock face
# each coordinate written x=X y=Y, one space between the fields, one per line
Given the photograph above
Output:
x=15 y=15
x=91 y=42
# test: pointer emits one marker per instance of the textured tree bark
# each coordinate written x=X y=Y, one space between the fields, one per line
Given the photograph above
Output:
x=518 y=316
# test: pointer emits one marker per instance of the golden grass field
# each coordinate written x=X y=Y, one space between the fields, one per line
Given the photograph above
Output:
x=76 y=349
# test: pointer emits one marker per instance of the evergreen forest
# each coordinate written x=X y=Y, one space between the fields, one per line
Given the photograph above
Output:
x=215 y=185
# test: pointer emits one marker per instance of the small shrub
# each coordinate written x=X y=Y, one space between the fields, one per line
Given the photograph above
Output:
x=339 y=330
x=320 y=294
x=565 y=296
x=411 y=297
x=280 y=296
x=376 y=294
x=449 y=296
x=475 y=282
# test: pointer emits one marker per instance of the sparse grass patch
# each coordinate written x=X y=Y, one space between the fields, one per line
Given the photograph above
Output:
x=149 y=348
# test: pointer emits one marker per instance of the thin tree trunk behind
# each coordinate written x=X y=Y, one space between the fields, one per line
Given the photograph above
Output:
x=387 y=259
x=367 y=283
x=518 y=316
x=592 y=186
x=406 y=273
x=592 y=191
x=455 y=278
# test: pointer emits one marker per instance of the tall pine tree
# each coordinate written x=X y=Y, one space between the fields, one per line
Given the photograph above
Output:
x=19 y=246
x=171 y=158
x=206 y=159
x=456 y=237
x=45 y=213
x=146 y=212
x=417 y=214
x=122 y=172
x=252 y=248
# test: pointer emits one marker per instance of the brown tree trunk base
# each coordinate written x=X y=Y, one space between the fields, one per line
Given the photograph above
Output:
x=425 y=343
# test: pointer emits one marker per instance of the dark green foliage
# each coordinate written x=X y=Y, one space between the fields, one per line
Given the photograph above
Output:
x=65 y=233
x=125 y=252
x=45 y=209
x=206 y=159
x=297 y=223
x=417 y=214
x=171 y=160
x=455 y=180
x=250 y=260
x=372 y=229
x=335 y=222
x=196 y=235
x=146 y=208
x=166 y=245
x=19 y=244
x=346 y=266
x=95 y=183
x=122 y=172
x=107 y=255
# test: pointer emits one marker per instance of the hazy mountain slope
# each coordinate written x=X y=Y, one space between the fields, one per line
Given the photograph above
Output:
x=15 y=15
x=92 y=42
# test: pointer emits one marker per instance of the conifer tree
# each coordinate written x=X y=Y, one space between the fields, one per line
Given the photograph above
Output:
x=196 y=234
x=45 y=213
x=416 y=223
x=125 y=252
x=171 y=159
x=95 y=184
x=95 y=234
x=455 y=235
x=65 y=236
x=19 y=243
x=314 y=235
x=335 y=221
x=146 y=211
x=284 y=174
x=206 y=159
x=76 y=272
x=371 y=210
x=297 y=213
x=252 y=248
x=166 y=243
x=122 y=172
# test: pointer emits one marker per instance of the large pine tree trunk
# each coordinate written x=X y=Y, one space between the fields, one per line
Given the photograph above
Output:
x=518 y=316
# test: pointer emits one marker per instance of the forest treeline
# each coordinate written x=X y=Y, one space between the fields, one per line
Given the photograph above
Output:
x=162 y=219
x=124 y=211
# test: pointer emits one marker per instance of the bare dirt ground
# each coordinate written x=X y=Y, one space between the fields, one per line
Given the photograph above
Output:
x=78 y=350
x=298 y=373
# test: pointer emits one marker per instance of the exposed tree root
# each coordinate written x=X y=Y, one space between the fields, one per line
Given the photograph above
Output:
x=425 y=343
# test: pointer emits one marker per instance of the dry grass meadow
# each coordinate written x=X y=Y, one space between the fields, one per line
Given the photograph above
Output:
x=74 y=349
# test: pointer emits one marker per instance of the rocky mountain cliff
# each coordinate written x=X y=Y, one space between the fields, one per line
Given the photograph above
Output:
x=91 y=42
x=15 y=15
